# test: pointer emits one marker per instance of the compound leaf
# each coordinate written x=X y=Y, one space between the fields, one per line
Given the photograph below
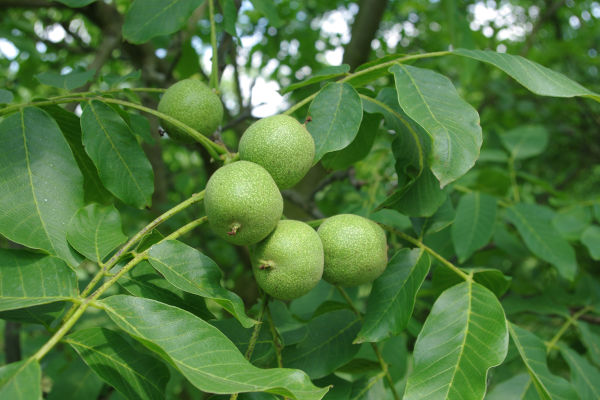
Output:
x=584 y=376
x=474 y=223
x=533 y=353
x=69 y=81
x=462 y=338
x=539 y=79
x=28 y=279
x=189 y=270
x=534 y=223
x=392 y=298
x=135 y=374
x=122 y=165
x=95 y=231
x=41 y=187
x=202 y=353
x=146 y=19
x=431 y=100
x=336 y=114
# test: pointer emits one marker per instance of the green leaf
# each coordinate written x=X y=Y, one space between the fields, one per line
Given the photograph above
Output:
x=146 y=19
x=326 y=73
x=571 y=222
x=431 y=100
x=540 y=80
x=358 y=149
x=422 y=198
x=6 y=96
x=121 y=162
x=584 y=376
x=491 y=278
x=392 y=299
x=76 y=3
x=205 y=356
x=189 y=270
x=144 y=281
x=230 y=13
x=44 y=315
x=263 y=354
x=443 y=217
x=21 y=380
x=591 y=340
x=269 y=10
x=525 y=141
x=95 y=231
x=533 y=353
x=519 y=387
x=327 y=345
x=75 y=381
x=70 y=126
x=116 y=79
x=534 y=223
x=474 y=223
x=462 y=338
x=40 y=184
x=136 y=375
x=68 y=81
x=591 y=239
x=336 y=114
x=28 y=279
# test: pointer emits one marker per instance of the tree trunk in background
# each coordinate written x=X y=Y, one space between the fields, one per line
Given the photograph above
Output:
x=364 y=28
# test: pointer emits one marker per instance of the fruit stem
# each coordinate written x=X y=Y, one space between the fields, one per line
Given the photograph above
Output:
x=428 y=249
x=382 y=363
x=214 y=74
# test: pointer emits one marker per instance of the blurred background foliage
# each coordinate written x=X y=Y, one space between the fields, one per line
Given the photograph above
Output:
x=290 y=40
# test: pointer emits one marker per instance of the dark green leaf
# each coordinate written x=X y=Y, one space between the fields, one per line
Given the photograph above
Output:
x=230 y=13
x=358 y=149
x=135 y=374
x=533 y=353
x=28 y=279
x=205 y=356
x=44 y=315
x=144 y=281
x=422 y=198
x=534 y=224
x=431 y=100
x=319 y=76
x=189 y=270
x=519 y=387
x=591 y=239
x=76 y=381
x=533 y=76
x=140 y=127
x=571 y=222
x=591 y=340
x=584 y=376
x=463 y=337
x=525 y=141
x=114 y=80
x=69 y=81
x=76 y=3
x=121 y=162
x=40 y=184
x=70 y=126
x=327 y=345
x=336 y=114
x=21 y=380
x=392 y=299
x=263 y=354
x=146 y=19
x=269 y=10
x=443 y=217
x=6 y=96
x=95 y=231
x=474 y=224
x=491 y=278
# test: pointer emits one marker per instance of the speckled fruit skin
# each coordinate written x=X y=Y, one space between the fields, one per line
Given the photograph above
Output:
x=193 y=103
x=242 y=197
x=289 y=262
x=280 y=144
x=355 y=250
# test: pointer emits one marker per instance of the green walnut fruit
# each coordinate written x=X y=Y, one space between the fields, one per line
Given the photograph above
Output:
x=355 y=250
x=242 y=203
x=289 y=262
x=280 y=144
x=192 y=102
